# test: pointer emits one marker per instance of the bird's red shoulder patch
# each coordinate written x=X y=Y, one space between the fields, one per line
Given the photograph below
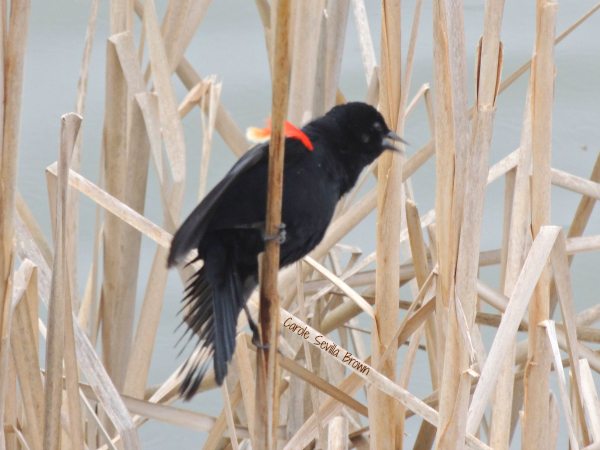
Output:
x=293 y=132
x=254 y=134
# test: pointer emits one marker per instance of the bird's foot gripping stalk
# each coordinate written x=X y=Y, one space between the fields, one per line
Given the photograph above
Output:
x=255 y=333
x=280 y=236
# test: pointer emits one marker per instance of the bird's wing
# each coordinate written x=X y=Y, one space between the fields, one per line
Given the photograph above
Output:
x=194 y=227
x=211 y=306
x=199 y=318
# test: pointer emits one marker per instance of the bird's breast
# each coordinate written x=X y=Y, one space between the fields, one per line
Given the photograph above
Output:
x=308 y=206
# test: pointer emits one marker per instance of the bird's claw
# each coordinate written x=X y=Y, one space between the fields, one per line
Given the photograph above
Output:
x=259 y=345
x=256 y=337
x=280 y=236
x=255 y=332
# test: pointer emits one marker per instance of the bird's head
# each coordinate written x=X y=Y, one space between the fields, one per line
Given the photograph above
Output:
x=365 y=132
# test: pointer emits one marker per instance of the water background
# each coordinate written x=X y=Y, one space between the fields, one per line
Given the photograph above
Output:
x=230 y=44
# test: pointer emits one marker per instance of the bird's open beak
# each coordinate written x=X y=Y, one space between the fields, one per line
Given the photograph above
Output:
x=390 y=142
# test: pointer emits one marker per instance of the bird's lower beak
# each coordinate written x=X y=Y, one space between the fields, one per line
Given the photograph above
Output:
x=391 y=140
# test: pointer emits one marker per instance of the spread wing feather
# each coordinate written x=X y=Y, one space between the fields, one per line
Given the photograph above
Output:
x=211 y=309
x=192 y=230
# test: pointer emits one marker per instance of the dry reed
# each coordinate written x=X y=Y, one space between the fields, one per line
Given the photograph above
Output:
x=96 y=395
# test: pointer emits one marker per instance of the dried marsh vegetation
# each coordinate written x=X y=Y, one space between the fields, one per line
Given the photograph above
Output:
x=306 y=389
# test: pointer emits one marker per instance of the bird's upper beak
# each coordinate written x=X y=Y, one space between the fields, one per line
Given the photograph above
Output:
x=390 y=142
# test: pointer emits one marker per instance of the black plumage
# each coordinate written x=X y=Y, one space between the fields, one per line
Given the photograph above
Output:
x=227 y=227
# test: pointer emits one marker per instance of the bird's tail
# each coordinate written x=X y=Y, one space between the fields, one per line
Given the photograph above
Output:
x=227 y=303
x=211 y=309
x=198 y=316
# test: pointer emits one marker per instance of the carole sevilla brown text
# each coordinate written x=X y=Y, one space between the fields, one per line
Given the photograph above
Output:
x=324 y=344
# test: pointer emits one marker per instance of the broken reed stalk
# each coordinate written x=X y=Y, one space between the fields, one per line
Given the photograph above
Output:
x=488 y=69
x=517 y=235
x=451 y=136
x=536 y=406
x=60 y=347
x=267 y=378
x=382 y=408
x=115 y=312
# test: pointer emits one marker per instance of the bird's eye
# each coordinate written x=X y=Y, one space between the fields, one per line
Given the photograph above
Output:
x=364 y=137
x=377 y=126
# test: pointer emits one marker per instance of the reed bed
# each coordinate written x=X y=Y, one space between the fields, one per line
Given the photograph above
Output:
x=335 y=320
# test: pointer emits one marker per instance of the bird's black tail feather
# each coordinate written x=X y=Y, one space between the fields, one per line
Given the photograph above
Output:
x=198 y=316
x=226 y=304
x=210 y=312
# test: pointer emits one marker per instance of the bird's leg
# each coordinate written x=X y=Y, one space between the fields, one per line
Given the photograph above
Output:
x=280 y=236
x=254 y=328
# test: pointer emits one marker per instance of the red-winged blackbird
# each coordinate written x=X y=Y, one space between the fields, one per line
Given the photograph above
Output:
x=227 y=227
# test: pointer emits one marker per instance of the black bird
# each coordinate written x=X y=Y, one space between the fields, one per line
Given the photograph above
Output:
x=227 y=227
